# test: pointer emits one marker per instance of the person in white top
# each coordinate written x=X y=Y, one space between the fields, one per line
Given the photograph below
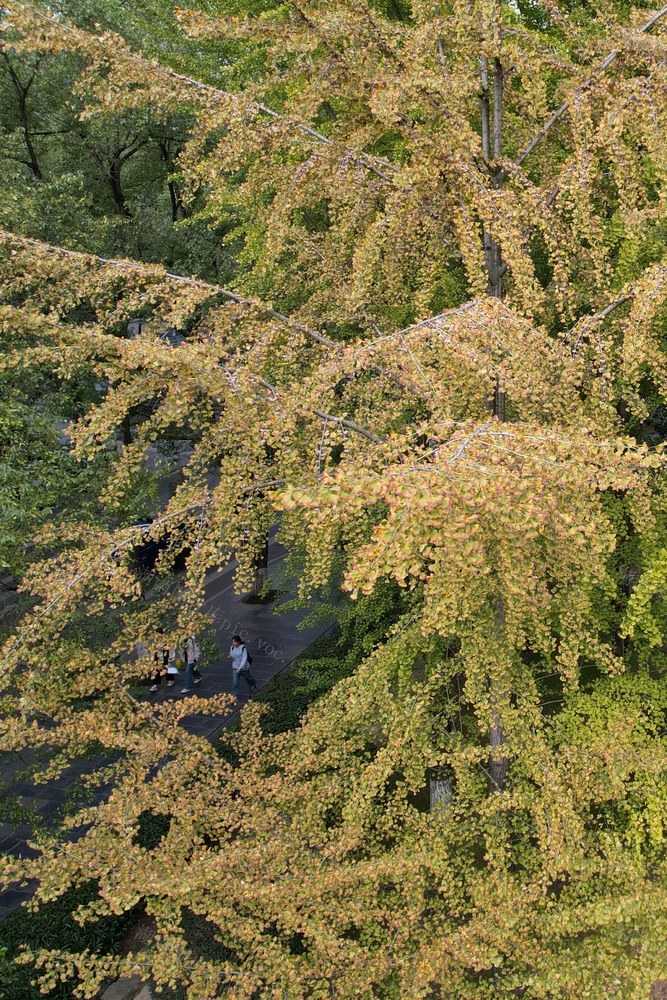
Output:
x=238 y=654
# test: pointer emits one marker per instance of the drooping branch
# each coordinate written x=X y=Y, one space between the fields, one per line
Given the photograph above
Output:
x=128 y=541
x=134 y=266
x=589 y=81
x=351 y=425
x=382 y=169
x=261 y=308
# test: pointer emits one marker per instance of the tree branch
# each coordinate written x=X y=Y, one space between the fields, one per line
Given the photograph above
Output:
x=599 y=317
x=361 y=158
x=196 y=283
x=604 y=66
x=17 y=159
x=128 y=265
x=31 y=79
x=129 y=151
x=350 y=424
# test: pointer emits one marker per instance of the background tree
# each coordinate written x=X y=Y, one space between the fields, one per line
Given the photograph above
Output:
x=108 y=185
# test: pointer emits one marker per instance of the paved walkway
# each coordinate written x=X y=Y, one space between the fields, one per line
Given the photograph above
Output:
x=273 y=640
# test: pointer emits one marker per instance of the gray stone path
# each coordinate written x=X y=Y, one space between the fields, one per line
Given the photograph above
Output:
x=273 y=640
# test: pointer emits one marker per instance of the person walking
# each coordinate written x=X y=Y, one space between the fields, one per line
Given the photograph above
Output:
x=241 y=661
x=192 y=654
x=174 y=663
x=142 y=653
x=161 y=660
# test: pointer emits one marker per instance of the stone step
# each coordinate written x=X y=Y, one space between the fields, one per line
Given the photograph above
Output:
x=127 y=988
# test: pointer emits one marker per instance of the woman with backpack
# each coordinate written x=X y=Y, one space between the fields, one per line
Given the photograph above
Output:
x=241 y=661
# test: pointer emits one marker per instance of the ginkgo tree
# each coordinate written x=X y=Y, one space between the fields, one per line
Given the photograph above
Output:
x=438 y=366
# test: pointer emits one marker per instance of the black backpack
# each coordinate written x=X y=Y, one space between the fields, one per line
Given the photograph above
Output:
x=248 y=655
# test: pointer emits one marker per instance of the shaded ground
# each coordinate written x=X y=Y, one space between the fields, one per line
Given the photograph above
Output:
x=274 y=641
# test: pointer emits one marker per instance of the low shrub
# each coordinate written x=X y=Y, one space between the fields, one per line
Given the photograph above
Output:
x=53 y=926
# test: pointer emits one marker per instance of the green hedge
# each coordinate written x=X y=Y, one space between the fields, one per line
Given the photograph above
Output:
x=361 y=625
x=54 y=927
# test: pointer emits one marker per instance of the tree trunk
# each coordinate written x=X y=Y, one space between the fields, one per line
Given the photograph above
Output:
x=33 y=162
x=261 y=567
x=485 y=107
x=22 y=97
x=175 y=202
x=492 y=252
x=498 y=762
x=497 y=109
x=115 y=168
x=485 y=110
x=177 y=207
x=126 y=431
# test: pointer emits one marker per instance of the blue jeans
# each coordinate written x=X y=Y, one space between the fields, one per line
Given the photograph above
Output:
x=247 y=677
x=190 y=673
